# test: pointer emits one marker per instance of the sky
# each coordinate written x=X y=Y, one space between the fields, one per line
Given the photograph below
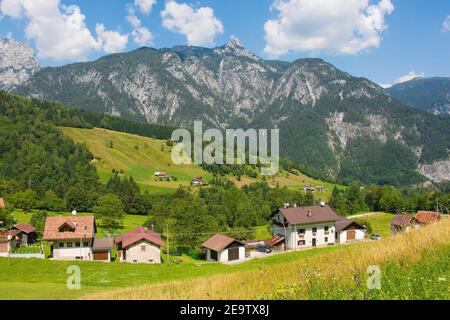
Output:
x=386 y=41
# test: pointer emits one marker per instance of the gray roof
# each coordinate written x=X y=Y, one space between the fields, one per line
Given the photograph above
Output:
x=103 y=244
x=309 y=215
x=344 y=223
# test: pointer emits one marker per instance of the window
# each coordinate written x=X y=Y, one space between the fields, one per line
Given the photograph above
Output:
x=77 y=244
x=301 y=243
x=301 y=232
x=314 y=230
x=327 y=230
x=213 y=255
x=69 y=244
x=86 y=244
x=151 y=261
x=143 y=248
x=135 y=261
x=326 y=239
x=61 y=244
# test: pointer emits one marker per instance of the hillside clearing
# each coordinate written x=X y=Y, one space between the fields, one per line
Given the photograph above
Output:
x=306 y=278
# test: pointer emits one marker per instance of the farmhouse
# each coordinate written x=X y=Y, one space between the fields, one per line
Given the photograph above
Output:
x=28 y=233
x=72 y=237
x=402 y=223
x=140 y=245
x=305 y=227
x=349 y=231
x=224 y=249
x=427 y=217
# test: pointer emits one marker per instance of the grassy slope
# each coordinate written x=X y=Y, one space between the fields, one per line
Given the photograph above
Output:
x=141 y=163
x=417 y=260
x=380 y=223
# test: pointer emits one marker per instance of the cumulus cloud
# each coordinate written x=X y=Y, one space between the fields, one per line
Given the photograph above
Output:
x=145 y=6
x=141 y=35
x=59 y=32
x=446 y=25
x=334 y=26
x=200 y=26
x=410 y=76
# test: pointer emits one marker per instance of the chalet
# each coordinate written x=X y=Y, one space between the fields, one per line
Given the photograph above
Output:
x=2 y=203
x=402 y=223
x=72 y=237
x=140 y=245
x=349 y=231
x=305 y=227
x=427 y=217
x=224 y=249
x=28 y=233
x=9 y=240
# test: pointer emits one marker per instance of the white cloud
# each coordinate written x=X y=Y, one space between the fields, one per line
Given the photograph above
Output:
x=335 y=26
x=111 y=41
x=446 y=24
x=200 y=26
x=141 y=35
x=59 y=32
x=410 y=76
x=145 y=6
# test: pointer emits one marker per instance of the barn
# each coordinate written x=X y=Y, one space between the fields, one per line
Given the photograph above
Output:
x=224 y=249
x=349 y=231
x=102 y=249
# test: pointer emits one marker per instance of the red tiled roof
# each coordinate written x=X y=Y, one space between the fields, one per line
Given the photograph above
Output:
x=219 y=242
x=427 y=217
x=2 y=203
x=103 y=244
x=139 y=234
x=25 y=228
x=309 y=215
x=274 y=241
x=4 y=234
x=83 y=227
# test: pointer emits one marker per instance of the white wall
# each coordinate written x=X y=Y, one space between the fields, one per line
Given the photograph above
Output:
x=66 y=253
x=360 y=234
x=135 y=254
x=222 y=256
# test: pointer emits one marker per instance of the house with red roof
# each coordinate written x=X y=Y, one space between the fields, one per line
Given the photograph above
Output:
x=28 y=233
x=427 y=217
x=140 y=245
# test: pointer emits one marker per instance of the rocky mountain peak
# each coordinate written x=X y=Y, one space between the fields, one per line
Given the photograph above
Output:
x=17 y=63
x=235 y=48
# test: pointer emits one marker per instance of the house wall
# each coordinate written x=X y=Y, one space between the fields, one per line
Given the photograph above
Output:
x=222 y=256
x=359 y=235
x=66 y=253
x=135 y=254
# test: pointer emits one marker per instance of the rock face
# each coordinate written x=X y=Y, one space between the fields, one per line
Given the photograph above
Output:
x=429 y=94
x=334 y=124
x=17 y=64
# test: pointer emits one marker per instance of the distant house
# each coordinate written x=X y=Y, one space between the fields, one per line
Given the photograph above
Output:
x=140 y=245
x=197 y=181
x=427 y=217
x=224 y=249
x=276 y=243
x=102 y=249
x=305 y=227
x=349 y=231
x=320 y=189
x=2 y=203
x=162 y=175
x=9 y=240
x=402 y=223
x=72 y=237
x=28 y=233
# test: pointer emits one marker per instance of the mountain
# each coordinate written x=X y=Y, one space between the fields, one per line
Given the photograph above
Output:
x=335 y=125
x=429 y=94
x=17 y=63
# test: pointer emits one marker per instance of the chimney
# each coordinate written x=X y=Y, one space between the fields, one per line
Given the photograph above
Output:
x=322 y=204
x=286 y=205
x=310 y=213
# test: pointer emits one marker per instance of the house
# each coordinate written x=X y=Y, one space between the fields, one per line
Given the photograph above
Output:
x=349 y=231
x=9 y=240
x=402 y=223
x=140 y=245
x=321 y=189
x=276 y=243
x=28 y=233
x=197 y=181
x=2 y=203
x=427 y=217
x=102 y=249
x=162 y=175
x=224 y=249
x=72 y=237
x=305 y=227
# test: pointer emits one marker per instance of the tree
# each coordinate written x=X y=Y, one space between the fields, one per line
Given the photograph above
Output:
x=25 y=200
x=309 y=198
x=6 y=217
x=51 y=202
x=391 y=200
x=109 y=211
x=38 y=221
x=81 y=198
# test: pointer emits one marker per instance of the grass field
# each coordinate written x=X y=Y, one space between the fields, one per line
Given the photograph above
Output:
x=380 y=223
x=140 y=157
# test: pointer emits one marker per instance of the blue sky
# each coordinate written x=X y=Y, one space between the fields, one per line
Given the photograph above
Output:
x=411 y=36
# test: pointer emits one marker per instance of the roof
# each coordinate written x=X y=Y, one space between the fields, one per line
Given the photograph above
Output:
x=103 y=243
x=139 y=234
x=343 y=223
x=427 y=217
x=25 y=228
x=219 y=242
x=2 y=203
x=4 y=234
x=83 y=227
x=402 y=220
x=274 y=241
x=309 y=215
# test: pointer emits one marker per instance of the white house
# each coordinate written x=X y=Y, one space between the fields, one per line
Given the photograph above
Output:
x=349 y=231
x=72 y=237
x=306 y=227
x=224 y=249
